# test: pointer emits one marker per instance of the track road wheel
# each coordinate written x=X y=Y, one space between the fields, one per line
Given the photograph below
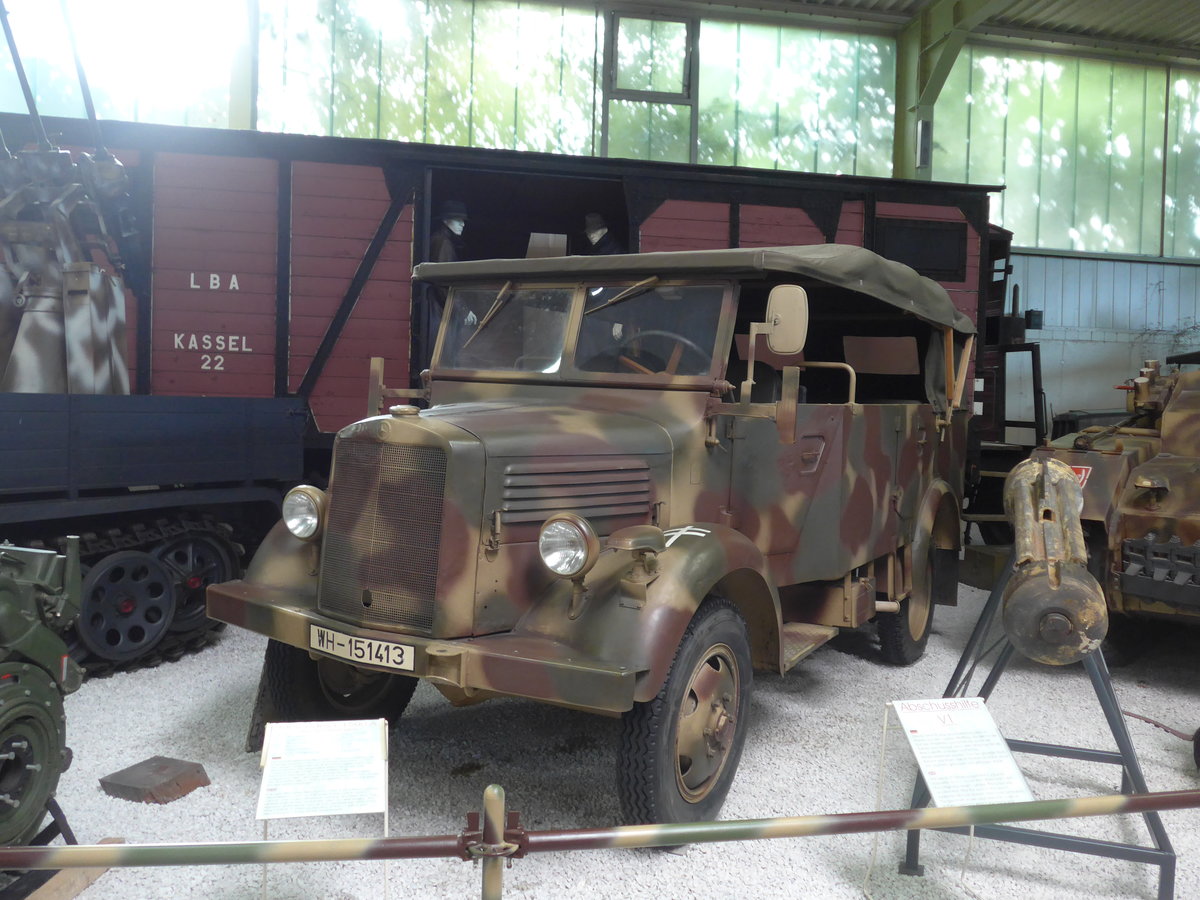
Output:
x=32 y=750
x=904 y=634
x=128 y=604
x=679 y=752
x=301 y=688
x=195 y=561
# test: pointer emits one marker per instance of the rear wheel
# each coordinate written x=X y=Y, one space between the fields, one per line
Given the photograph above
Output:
x=300 y=688
x=904 y=634
x=679 y=752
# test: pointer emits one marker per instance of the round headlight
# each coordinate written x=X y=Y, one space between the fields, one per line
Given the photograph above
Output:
x=303 y=511
x=568 y=545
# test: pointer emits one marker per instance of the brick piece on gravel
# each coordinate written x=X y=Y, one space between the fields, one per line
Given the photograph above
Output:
x=158 y=779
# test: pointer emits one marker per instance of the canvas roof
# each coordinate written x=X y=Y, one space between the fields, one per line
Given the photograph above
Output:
x=841 y=265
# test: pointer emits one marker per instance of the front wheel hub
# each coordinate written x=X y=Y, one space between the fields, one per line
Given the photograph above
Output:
x=707 y=723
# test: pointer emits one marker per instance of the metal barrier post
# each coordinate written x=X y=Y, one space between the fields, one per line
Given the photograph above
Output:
x=494 y=848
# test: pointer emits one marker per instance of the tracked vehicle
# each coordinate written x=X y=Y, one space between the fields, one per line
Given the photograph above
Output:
x=1141 y=500
x=622 y=499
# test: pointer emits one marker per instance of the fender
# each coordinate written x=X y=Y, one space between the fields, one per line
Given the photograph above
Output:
x=636 y=620
x=284 y=561
x=938 y=528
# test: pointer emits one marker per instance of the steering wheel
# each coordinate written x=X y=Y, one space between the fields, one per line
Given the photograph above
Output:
x=680 y=344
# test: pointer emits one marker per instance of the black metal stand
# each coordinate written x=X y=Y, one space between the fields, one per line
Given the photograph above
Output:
x=22 y=884
x=1132 y=779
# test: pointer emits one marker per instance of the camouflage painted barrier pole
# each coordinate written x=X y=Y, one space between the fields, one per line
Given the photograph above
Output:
x=494 y=849
x=630 y=836
x=515 y=842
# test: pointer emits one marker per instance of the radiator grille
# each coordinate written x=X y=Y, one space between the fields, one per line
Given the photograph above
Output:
x=594 y=489
x=380 y=556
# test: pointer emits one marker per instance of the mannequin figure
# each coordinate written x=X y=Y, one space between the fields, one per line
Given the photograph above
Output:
x=600 y=241
x=445 y=241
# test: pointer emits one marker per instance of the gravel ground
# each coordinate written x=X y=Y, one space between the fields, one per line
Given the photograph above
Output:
x=814 y=747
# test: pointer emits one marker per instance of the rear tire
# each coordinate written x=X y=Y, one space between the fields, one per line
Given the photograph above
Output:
x=904 y=634
x=679 y=752
x=300 y=688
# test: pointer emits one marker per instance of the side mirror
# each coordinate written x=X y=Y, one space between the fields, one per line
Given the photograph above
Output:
x=786 y=328
x=787 y=319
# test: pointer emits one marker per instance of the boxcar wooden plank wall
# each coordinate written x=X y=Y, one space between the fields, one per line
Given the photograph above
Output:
x=851 y=223
x=776 y=226
x=215 y=223
x=686 y=225
x=336 y=210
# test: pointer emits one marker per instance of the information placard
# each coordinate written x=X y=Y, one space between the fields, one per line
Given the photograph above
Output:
x=963 y=757
x=323 y=769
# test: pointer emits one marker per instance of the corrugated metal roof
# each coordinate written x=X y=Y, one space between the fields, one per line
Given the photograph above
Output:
x=1155 y=28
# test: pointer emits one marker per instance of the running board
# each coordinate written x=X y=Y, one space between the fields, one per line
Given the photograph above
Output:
x=801 y=639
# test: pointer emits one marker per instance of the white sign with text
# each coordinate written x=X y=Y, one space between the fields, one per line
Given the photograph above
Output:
x=324 y=769
x=963 y=757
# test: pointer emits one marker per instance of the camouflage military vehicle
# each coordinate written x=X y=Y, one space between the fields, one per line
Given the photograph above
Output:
x=621 y=500
x=1141 y=506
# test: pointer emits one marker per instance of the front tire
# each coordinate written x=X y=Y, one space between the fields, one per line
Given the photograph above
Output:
x=679 y=752
x=300 y=688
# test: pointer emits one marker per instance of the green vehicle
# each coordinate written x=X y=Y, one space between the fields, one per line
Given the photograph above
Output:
x=639 y=478
x=39 y=599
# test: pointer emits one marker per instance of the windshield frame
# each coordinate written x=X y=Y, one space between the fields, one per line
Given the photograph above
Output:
x=568 y=373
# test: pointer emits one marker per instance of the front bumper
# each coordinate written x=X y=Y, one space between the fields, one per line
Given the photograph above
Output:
x=512 y=664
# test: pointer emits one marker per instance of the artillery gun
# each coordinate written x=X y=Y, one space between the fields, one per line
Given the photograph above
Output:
x=1141 y=500
x=39 y=599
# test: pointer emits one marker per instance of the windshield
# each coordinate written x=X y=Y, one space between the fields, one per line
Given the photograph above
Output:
x=639 y=328
x=506 y=328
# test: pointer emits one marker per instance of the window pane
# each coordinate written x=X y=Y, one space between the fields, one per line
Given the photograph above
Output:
x=1182 y=208
x=166 y=81
x=441 y=71
x=1021 y=146
x=522 y=330
x=668 y=330
x=1076 y=142
x=658 y=131
x=1056 y=209
x=793 y=98
x=651 y=55
x=356 y=76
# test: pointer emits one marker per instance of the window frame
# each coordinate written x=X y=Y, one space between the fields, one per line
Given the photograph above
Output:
x=688 y=97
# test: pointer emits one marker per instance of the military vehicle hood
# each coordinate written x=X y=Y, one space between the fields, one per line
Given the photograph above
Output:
x=553 y=429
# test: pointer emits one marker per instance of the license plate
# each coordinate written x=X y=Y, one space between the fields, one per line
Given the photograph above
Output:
x=361 y=650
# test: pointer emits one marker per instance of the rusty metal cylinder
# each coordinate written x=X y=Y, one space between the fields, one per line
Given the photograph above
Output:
x=1054 y=610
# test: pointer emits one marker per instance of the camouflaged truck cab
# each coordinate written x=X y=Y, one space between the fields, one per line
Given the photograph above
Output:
x=638 y=479
x=1141 y=502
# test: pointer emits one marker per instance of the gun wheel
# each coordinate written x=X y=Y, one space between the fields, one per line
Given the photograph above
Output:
x=32 y=750
x=300 y=688
x=127 y=605
x=679 y=752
